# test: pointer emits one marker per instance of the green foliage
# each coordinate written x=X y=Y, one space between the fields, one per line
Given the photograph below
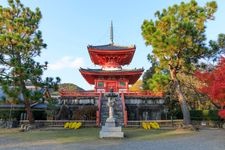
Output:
x=158 y=82
x=155 y=79
x=150 y=72
x=5 y=114
x=147 y=74
x=178 y=34
x=20 y=41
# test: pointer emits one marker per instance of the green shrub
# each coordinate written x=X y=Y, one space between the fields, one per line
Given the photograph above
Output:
x=175 y=114
x=15 y=114
x=213 y=115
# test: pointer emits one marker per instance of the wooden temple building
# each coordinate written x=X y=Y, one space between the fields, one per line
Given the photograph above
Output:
x=129 y=105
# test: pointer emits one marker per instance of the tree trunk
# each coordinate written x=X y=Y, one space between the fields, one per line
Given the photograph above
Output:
x=26 y=99
x=181 y=99
x=28 y=110
x=26 y=103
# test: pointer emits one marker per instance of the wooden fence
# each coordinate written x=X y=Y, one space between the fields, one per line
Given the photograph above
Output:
x=162 y=123
x=92 y=123
x=60 y=123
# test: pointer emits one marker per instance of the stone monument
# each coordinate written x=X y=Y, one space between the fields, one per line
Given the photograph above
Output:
x=110 y=130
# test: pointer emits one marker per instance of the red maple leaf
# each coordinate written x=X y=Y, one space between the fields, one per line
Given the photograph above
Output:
x=214 y=84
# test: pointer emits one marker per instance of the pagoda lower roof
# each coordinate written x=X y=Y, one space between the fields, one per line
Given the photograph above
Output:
x=130 y=74
x=111 y=47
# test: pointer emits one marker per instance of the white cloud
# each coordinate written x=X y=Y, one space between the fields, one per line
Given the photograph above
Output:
x=66 y=62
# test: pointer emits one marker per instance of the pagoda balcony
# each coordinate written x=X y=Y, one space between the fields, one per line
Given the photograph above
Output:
x=78 y=94
x=96 y=94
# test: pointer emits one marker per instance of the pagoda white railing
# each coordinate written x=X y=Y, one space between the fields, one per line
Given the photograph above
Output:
x=96 y=94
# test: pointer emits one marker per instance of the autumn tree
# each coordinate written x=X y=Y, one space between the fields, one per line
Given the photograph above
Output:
x=177 y=37
x=20 y=43
x=136 y=87
x=213 y=83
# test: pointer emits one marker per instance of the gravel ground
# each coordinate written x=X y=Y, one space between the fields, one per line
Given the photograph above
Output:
x=208 y=139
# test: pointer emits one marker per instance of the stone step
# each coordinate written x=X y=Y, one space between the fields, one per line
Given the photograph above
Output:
x=111 y=129
x=107 y=134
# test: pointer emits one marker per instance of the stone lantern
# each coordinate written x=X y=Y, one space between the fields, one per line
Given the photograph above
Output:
x=110 y=129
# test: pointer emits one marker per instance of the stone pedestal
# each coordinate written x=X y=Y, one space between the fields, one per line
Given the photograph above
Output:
x=110 y=130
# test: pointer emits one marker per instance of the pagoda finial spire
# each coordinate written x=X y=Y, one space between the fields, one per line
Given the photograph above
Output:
x=111 y=33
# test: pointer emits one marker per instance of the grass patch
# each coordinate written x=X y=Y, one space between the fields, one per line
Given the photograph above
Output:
x=141 y=134
x=58 y=135
x=8 y=132
x=85 y=135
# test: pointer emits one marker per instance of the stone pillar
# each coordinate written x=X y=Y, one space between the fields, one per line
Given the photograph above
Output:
x=110 y=104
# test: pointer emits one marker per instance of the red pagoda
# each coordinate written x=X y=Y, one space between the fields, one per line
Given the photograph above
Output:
x=129 y=105
x=111 y=58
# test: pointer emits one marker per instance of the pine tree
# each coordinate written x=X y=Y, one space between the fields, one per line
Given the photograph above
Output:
x=20 y=43
x=177 y=37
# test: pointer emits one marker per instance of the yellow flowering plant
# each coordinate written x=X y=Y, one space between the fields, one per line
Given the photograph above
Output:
x=73 y=125
x=150 y=125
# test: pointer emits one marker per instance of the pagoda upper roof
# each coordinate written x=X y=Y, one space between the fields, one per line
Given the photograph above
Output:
x=114 y=71
x=130 y=74
x=111 y=47
x=111 y=55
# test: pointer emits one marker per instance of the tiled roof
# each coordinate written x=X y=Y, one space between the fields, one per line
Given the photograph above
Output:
x=122 y=70
x=111 y=47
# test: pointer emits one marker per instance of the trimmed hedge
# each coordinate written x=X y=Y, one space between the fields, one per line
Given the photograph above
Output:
x=204 y=115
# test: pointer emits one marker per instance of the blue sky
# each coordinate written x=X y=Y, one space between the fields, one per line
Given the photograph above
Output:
x=68 y=26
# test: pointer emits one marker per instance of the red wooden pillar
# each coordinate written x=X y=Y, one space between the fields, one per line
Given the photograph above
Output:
x=124 y=110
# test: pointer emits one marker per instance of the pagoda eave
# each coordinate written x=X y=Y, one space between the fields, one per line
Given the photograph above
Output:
x=111 y=47
x=91 y=74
